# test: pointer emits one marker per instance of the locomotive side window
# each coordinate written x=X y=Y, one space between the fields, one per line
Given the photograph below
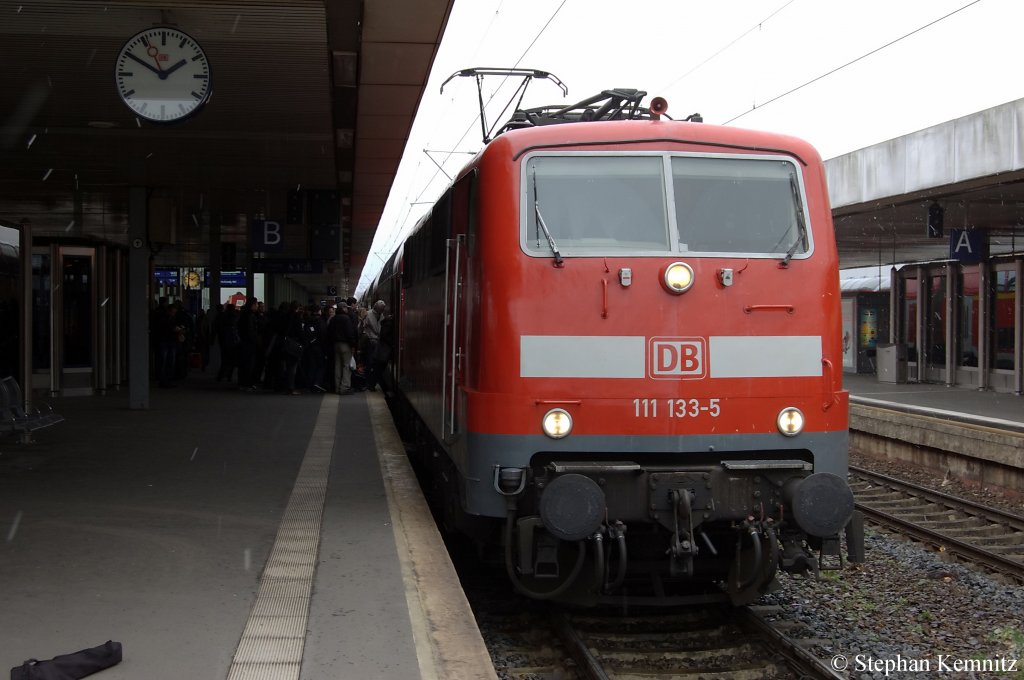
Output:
x=426 y=250
x=592 y=204
x=738 y=205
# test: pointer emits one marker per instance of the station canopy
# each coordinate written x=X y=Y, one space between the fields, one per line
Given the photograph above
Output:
x=311 y=107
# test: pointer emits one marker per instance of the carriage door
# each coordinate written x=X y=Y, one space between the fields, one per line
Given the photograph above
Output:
x=459 y=202
x=454 y=331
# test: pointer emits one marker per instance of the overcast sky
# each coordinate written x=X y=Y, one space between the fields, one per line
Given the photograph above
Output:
x=842 y=75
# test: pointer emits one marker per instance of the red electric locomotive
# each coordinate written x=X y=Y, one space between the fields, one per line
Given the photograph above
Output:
x=619 y=341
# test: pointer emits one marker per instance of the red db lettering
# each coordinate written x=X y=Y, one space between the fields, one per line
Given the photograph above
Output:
x=667 y=358
x=677 y=358
x=690 y=360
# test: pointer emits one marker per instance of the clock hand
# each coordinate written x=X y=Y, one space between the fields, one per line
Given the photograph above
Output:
x=155 y=53
x=174 y=68
x=134 y=58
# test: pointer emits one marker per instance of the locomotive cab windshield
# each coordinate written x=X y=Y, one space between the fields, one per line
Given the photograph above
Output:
x=716 y=204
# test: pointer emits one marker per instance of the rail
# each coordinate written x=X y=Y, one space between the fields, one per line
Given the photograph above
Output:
x=977 y=533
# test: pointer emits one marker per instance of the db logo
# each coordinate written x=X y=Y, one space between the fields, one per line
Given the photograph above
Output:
x=678 y=358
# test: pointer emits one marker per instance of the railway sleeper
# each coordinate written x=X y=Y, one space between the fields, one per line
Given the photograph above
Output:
x=723 y=655
x=874 y=493
x=982 y=533
x=967 y=523
x=1005 y=540
x=901 y=504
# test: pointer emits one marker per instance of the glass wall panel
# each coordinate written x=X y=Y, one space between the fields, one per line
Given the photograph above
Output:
x=967 y=316
x=1004 y=302
x=40 y=312
x=908 y=314
x=10 y=316
x=935 y=321
x=78 y=311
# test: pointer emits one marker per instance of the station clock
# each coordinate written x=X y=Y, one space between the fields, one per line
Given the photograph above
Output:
x=163 y=75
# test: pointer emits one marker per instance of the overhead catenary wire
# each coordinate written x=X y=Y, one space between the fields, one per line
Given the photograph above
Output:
x=395 y=235
x=851 y=62
x=732 y=42
x=472 y=123
x=366 y=275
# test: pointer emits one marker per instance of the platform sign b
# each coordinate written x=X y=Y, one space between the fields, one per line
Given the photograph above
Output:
x=267 y=236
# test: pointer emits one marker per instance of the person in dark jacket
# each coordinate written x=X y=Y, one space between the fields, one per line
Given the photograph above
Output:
x=262 y=343
x=372 y=329
x=250 y=346
x=384 y=351
x=165 y=342
x=230 y=342
x=342 y=331
x=274 y=332
x=292 y=347
x=314 y=337
x=204 y=337
x=185 y=330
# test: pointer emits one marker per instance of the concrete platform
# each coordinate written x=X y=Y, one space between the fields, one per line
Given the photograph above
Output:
x=964 y=404
x=189 y=531
x=225 y=534
x=975 y=435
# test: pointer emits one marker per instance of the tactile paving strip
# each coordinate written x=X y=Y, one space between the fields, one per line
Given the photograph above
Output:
x=275 y=634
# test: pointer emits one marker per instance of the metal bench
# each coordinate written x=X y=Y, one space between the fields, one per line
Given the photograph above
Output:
x=15 y=418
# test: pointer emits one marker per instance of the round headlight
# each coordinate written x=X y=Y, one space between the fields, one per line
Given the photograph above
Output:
x=790 y=421
x=557 y=423
x=678 y=277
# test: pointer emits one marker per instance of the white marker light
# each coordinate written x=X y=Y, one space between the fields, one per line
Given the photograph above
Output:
x=678 y=277
x=557 y=423
x=790 y=421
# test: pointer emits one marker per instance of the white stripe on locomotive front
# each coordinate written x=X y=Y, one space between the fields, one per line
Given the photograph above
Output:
x=765 y=356
x=582 y=356
x=626 y=356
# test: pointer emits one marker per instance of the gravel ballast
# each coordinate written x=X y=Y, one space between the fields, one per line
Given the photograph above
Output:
x=909 y=612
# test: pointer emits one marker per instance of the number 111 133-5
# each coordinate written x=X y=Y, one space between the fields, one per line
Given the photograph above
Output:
x=676 y=408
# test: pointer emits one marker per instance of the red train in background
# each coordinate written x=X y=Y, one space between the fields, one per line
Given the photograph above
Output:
x=620 y=351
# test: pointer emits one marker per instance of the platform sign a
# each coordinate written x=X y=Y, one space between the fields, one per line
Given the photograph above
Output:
x=968 y=246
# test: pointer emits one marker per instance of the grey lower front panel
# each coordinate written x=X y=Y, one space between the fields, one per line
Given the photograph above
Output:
x=484 y=453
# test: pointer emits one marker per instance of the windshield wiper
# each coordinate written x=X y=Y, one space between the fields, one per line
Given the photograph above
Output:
x=540 y=222
x=801 y=224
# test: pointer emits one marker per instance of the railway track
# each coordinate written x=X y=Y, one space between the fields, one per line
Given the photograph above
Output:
x=718 y=643
x=531 y=641
x=985 y=536
x=704 y=642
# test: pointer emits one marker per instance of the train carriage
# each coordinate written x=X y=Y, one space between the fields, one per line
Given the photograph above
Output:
x=620 y=344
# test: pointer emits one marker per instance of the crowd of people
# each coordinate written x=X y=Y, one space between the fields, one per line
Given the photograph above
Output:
x=341 y=348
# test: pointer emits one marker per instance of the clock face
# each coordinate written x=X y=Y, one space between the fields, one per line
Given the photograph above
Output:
x=162 y=75
x=192 y=280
